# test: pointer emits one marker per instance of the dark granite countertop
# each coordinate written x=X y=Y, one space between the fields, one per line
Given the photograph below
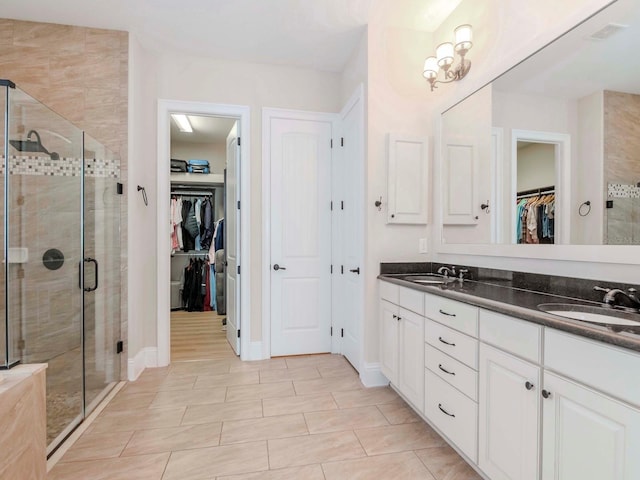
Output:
x=502 y=297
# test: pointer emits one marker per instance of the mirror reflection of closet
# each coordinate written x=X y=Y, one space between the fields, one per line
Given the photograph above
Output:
x=205 y=148
x=535 y=198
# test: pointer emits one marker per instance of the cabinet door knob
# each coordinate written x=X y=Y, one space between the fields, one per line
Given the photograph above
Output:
x=546 y=393
x=395 y=316
x=445 y=412
x=528 y=386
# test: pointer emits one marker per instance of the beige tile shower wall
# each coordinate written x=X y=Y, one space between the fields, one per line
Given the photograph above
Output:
x=82 y=74
x=621 y=166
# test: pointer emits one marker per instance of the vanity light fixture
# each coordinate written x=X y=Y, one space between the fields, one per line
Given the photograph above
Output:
x=444 y=58
x=183 y=122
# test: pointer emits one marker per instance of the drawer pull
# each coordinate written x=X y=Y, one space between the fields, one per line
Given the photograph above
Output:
x=446 y=343
x=528 y=386
x=447 y=314
x=445 y=412
x=445 y=371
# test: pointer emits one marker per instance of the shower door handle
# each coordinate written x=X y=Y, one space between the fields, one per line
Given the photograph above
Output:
x=97 y=276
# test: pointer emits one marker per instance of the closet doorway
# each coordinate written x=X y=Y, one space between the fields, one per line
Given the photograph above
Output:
x=204 y=239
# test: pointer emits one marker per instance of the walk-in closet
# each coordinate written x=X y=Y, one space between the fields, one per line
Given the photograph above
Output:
x=200 y=158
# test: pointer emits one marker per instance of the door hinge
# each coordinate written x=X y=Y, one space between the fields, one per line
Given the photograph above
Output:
x=238 y=269
x=342 y=269
x=238 y=204
x=332 y=331
x=238 y=333
x=332 y=143
x=238 y=141
x=332 y=206
x=342 y=332
x=119 y=346
x=331 y=269
x=342 y=141
x=119 y=188
x=342 y=205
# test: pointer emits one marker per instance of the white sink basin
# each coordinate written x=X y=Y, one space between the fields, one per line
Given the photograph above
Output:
x=592 y=314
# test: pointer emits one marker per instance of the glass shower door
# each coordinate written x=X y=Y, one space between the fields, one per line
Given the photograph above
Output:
x=101 y=271
x=43 y=252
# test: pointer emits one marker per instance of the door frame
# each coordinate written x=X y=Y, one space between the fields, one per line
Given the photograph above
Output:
x=562 y=147
x=267 y=115
x=242 y=114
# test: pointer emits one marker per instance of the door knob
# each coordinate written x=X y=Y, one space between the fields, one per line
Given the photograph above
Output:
x=355 y=270
x=277 y=267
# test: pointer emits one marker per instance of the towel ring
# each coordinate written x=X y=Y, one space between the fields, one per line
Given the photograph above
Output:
x=588 y=209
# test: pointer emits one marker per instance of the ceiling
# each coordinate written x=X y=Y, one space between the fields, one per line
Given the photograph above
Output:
x=319 y=34
x=578 y=65
x=205 y=130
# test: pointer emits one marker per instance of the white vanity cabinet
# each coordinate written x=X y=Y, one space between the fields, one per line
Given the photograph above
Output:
x=509 y=398
x=402 y=340
x=592 y=431
x=519 y=400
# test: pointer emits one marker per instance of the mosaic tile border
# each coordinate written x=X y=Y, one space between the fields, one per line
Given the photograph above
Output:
x=621 y=190
x=65 y=167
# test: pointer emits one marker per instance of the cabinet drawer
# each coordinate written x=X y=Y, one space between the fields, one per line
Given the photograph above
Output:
x=453 y=413
x=411 y=300
x=453 y=343
x=457 y=315
x=389 y=291
x=612 y=370
x=452 y=371
x=515 y=336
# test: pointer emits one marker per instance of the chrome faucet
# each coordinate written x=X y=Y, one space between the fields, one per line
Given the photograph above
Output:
x=446 y=271
x=612 y=295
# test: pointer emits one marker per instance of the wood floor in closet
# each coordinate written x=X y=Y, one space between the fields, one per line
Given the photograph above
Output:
x=198 y=336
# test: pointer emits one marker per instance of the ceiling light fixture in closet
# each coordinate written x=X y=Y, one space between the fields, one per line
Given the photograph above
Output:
x=183 y=122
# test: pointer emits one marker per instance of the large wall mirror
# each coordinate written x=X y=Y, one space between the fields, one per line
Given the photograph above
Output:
x=549 y=152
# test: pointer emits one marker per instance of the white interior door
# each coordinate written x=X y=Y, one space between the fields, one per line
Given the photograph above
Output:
x=232 y=231
x=349 y=277
x=300 y=159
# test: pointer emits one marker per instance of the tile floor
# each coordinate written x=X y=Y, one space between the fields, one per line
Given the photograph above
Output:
x=285 y=418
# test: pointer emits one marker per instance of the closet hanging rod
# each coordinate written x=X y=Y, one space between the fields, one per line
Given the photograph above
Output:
x=194 y=193
x=537 y=191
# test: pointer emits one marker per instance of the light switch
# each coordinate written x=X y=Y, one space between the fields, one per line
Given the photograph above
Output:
x=422 y=245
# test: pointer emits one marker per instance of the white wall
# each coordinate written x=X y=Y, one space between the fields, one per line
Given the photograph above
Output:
x=589 y=171
x=215 y=153
x=536 y=166
x=141 y=219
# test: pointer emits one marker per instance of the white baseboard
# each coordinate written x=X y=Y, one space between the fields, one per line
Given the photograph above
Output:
x=145 y=358
x=151 y=357
x=371 y=376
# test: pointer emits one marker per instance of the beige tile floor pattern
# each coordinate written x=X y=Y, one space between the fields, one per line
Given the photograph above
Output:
x=298 y=418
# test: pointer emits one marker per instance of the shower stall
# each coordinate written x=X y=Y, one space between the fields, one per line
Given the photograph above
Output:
x=60 y=284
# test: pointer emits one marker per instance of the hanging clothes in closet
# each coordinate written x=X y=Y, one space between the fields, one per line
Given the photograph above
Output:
x=192 y=223
x=196 y=290
x=535 y=217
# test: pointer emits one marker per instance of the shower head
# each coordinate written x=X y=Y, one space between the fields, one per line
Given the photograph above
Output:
x=29 y=145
